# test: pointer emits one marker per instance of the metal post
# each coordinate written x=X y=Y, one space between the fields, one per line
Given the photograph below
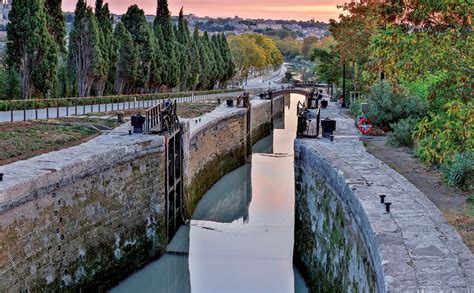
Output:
x=343 y=85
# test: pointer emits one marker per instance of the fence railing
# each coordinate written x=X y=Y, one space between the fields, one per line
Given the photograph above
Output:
x=22 y=110
x=162 y=117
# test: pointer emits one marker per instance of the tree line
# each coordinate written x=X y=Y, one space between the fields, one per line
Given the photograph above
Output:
x=131 y=57
x=254 y=53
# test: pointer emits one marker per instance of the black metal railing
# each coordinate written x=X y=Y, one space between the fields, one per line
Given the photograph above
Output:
x=307 y=126
x=162 y=118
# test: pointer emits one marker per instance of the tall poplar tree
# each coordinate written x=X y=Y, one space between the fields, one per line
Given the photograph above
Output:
x=85 y=49
x=31 y=50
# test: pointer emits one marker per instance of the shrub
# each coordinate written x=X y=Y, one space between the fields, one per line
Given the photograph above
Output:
x=459 y=172
x=387 y=107
x=444 y=134
x=402 y=134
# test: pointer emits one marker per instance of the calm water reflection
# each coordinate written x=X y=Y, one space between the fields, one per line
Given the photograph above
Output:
x=241 y=236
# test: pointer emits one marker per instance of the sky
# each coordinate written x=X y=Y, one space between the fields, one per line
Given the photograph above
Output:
x=321 y=10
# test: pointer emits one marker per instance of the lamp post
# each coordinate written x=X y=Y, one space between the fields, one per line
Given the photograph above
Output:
x=343 y=85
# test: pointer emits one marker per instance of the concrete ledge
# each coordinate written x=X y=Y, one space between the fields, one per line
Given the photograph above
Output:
x=412 y=248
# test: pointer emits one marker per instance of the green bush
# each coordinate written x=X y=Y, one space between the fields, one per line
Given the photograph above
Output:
x=402 y=134
x=387 y=107
x=444 y=134
x=459 y=172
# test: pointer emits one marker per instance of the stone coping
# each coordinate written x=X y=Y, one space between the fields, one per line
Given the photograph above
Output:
x=416 y=248
x=220 y=113
x=22 y=177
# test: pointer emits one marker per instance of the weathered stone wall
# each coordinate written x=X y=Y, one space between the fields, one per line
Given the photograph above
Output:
x=260 y=119
x=330 y=239
x=216 y=145
x=84 y=217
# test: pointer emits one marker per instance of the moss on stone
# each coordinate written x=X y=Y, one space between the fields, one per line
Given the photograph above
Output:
x=210 y=173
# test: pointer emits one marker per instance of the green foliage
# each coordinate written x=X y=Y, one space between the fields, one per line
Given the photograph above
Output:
x=9 y=84
x=85 y=50
x=254 y=52
x=128 y=62
x=402 y=134
x=387 y=107
x=56 y=23
x=459 y=171
x=443 y=134
x=30 y=48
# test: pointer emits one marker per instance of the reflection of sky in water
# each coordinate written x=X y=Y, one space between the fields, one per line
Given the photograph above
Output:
x=241 y=235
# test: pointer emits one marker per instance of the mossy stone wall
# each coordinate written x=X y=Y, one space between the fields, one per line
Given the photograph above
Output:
x=330 y=249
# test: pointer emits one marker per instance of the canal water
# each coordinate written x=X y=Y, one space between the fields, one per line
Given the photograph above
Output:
x=240 y=238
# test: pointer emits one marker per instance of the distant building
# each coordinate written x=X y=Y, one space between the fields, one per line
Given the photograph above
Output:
x=6 y=6
x=269 y=25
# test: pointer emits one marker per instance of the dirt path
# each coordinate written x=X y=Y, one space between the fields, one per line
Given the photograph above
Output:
x=451 y=202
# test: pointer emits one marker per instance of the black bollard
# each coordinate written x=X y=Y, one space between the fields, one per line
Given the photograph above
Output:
x=1 y=176
x=387 y=206
x=382 y=198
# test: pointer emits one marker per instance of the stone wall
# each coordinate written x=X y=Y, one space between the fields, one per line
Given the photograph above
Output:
x=83 y=217
x=216 y=145
x=330 y=239
x=260 y=119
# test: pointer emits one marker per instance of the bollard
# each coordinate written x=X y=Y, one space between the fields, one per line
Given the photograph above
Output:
x=382 y=198
x=387 y=206
x=1 y=176
x=129 y=132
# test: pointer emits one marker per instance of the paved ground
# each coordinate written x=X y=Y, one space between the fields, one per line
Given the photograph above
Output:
x=418 y=249
x=271 y=81
x=450 y=201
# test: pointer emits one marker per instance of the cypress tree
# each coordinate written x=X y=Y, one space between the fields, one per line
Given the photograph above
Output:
x=105 y=22
x=184 y=52
x=220 y=65
x=212 y=65
x=127 y=65
x=85 y=54
x=227 y=56
x=31 y=50
x=196 y=70
x=163 y=21
x=135 y=22
x=56 y=23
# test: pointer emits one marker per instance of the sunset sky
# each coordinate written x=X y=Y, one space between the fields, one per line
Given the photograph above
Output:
x=321 y=10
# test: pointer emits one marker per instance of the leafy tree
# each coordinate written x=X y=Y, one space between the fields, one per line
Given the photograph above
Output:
x=128 y=61
x=30 y=47
x=253 y=52
x=85 y=49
